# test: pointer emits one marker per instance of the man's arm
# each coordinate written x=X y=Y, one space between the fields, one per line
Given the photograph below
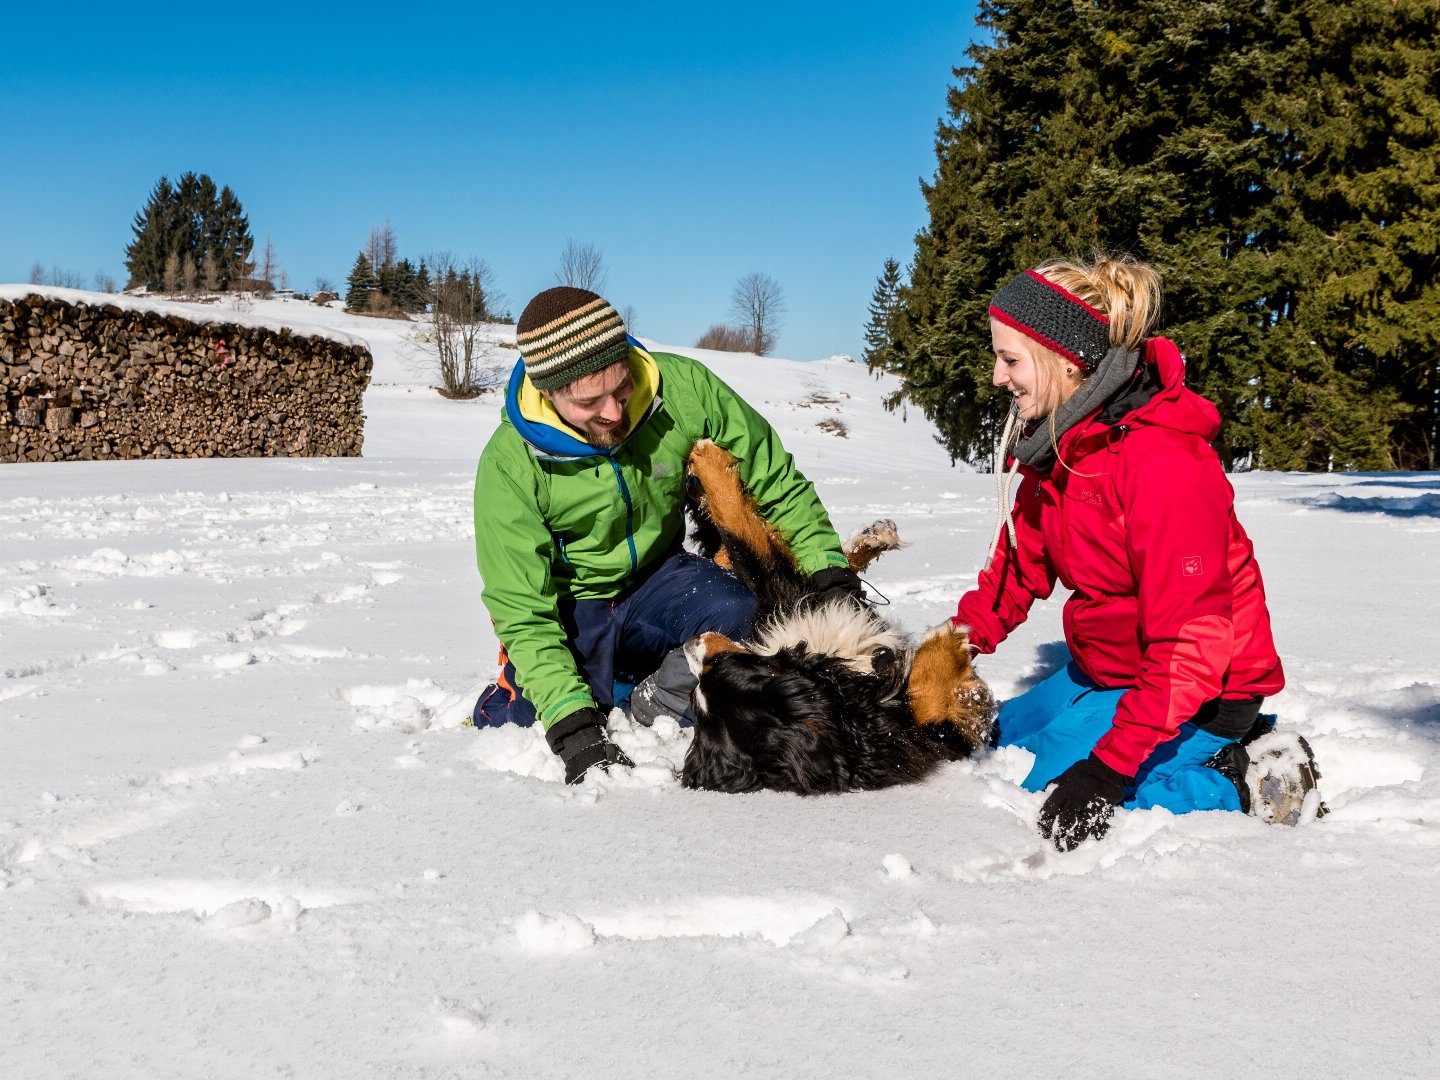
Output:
x=514 y=550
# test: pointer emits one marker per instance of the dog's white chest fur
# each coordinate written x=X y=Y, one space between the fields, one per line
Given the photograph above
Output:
x=838 y=629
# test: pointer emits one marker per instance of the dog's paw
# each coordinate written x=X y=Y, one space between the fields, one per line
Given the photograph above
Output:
x=946 y=631
x=707 y=459
x=944 y=688
x=870 y=542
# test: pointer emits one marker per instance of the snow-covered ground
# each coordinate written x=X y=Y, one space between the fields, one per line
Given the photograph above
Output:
x=243 y=832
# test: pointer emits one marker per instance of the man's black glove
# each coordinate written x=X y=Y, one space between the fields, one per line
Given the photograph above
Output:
x=1085 y=796
x=836 y=581
x=580 y=741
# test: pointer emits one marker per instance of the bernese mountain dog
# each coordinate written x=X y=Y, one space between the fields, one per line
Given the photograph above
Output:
x=828 y=695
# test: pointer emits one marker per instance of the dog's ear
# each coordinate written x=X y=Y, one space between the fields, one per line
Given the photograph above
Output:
x=717 y=764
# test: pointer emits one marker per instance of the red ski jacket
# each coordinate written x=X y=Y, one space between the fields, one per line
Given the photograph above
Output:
x=1138 y=519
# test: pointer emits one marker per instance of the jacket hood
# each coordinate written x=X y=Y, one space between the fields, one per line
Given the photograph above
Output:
x=1158 y=397
x=1174 y=405
x=549 y=436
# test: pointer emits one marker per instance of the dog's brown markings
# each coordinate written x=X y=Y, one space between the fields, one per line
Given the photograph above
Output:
x=714 y=645
x=729 y=505
x=870 y=543
x=943 y=685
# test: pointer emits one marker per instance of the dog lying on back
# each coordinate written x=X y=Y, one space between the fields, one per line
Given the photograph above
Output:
x=827 y=696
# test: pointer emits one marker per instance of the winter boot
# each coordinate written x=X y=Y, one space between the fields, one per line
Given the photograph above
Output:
x=1232 y=762
x=1282 y=778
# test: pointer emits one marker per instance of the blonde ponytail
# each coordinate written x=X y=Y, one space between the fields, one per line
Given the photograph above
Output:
x=1120 y=286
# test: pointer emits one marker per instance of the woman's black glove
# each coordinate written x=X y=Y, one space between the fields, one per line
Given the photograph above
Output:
x=836 y=581
x=580 y=741
x=1080 y=806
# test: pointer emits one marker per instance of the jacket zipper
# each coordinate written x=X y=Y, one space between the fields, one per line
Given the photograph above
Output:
x=629 y=513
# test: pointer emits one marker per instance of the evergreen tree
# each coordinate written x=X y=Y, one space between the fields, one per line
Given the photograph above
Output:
x=879 y=337
x=1361 y=240
x=189 y=221
x=145 y=256
x=1192 y=135
x=401 y=282
x=228 y=235
x=361 y=283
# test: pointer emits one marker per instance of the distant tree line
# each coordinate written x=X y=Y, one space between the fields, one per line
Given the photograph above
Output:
x=190 y=235
x=69 y=279
x=381 y=282
x=1277 y=161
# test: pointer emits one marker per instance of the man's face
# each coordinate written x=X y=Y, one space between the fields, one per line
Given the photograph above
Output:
x=595 y=404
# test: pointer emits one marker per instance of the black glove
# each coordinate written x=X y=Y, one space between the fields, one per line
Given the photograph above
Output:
x=836 y=581
x=580 y=741
x=1085 y=796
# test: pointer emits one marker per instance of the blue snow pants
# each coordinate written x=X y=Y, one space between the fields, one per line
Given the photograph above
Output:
x=1062 y=718
x=618 y=642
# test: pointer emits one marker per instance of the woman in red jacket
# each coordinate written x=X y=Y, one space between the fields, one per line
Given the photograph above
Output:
x=1123 y=500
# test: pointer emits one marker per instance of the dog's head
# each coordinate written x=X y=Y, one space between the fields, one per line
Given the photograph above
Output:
x=771 y=721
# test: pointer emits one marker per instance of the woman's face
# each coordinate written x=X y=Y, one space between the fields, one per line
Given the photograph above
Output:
x=1033 y=374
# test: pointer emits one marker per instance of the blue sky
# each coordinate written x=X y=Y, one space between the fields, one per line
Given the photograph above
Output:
x=690 y=144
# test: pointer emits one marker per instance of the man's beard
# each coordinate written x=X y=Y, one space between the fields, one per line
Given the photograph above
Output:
x=608 y=437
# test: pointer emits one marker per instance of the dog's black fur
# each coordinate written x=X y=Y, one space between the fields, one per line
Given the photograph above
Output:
x=800 y=715
x=803 y=722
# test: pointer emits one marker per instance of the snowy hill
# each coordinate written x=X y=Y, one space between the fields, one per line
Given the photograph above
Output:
x=243 y=832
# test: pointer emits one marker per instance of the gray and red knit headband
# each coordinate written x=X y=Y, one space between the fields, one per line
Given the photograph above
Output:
x=1055 y=317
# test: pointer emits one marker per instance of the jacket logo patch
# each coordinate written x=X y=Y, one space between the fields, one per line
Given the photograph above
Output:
x=660 y=471
x=1094 y=498
x=1190 y=566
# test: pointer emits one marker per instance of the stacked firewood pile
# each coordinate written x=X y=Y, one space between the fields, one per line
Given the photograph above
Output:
x=83 y=382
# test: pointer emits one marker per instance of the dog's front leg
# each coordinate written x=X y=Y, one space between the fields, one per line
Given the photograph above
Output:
x=729 y=506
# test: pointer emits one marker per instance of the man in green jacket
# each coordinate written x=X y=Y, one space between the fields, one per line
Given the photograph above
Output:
x=579 y=522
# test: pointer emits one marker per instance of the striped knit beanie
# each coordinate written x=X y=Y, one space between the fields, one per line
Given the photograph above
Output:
x=566 y=333
x=1055 y=317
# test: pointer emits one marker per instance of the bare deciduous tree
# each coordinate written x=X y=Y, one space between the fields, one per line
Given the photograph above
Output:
x=269 y=263
x=210 y=273
x=65 y=279
x=104 y=282
x=628 y=316
x=172 y=272
x=582 y=266
x=758 y=303
x=381 y=248
x=462 y=296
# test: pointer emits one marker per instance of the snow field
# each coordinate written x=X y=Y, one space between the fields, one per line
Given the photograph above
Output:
x=243 y=830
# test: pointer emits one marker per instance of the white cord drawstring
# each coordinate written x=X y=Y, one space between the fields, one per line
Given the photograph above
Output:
x=1003 y=480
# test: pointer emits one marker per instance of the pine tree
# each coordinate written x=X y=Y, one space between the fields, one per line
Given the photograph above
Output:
x=362 y=282
x=879 y=337
x=189 y=220
x=1195 y=136
x=228 y=236
x=1361 y=240
x=145 y=256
